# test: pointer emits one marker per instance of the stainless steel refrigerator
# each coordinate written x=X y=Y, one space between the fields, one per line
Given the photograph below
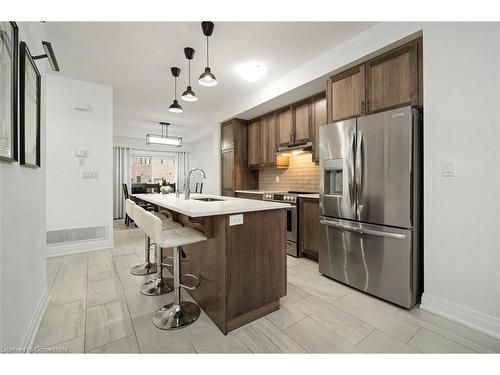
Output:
x=370 y=204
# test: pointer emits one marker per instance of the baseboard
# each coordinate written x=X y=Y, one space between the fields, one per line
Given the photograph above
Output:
x=79 y=247
x=477 y=320
x=36 y=319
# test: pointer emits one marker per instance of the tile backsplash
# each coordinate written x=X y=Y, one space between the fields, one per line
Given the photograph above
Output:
x=301 y=175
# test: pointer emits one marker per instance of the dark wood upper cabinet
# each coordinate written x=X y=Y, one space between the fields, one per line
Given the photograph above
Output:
x=346 y=94
x=393 y=78
x=285 y=126
x=318 y=109
x=235 y=174
x=268 y=142
x=254 y=144
x=227 y=136
x=302 y=122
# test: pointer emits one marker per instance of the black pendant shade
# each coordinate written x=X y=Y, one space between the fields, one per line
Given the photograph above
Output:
x=189 y=95
x=207 y=78
x=175 y=106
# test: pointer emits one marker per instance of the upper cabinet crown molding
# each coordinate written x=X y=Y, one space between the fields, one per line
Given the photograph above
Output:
x=390 y=80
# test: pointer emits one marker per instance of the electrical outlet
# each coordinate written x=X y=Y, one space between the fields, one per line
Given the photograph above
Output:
x=236 y=219
x=277 y=178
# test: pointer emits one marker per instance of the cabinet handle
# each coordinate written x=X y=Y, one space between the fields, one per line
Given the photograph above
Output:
x=363 y=107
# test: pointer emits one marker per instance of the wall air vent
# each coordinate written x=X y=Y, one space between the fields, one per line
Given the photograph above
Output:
x=60 y=236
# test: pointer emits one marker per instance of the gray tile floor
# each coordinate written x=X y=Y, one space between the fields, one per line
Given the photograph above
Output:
x=95 y=307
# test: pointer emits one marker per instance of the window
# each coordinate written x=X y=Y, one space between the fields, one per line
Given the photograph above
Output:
x=152 y=168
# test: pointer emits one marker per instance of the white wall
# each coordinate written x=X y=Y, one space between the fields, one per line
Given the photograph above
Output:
x=73 y=202
x=205 y=155
x=23 y=265
x=461 y=124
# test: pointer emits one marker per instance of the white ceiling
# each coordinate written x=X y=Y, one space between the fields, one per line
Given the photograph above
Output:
x=135 y=59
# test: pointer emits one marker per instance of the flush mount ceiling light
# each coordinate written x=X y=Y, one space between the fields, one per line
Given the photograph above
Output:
x=49 y=54
x=164 y=138
x=189 y=95
x=175 y=106
x=251 y=71
x=207 y=78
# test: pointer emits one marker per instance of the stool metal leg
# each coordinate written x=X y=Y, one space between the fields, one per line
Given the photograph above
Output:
x=178 y=314
x=158 y=284
x=147 y=268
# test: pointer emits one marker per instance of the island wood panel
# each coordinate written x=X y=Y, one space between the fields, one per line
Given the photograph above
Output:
x=256 y=266
x=242 y=268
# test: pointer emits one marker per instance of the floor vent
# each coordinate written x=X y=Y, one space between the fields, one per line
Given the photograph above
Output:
x=55 y=237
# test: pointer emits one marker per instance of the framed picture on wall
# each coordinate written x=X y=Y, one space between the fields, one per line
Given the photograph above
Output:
x=8 y=90
x=29 y=108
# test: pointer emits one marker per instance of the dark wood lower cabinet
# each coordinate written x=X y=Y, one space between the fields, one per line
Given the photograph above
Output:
x=309 y=227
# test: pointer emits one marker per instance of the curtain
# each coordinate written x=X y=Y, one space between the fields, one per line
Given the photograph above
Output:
x=121 y=175
x=182 y=164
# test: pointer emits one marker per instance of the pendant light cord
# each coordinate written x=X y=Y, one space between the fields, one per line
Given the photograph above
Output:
x=208 y=63
x=189 y=72
x=175 y=88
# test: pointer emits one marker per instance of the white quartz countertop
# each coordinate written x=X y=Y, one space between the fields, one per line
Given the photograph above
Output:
x=196 y=208
x=253 y=191
x=312 y=196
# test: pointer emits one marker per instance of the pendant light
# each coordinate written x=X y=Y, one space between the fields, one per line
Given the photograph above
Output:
x=207 y=78
x=175 y=106
x=189 y=95
x=164 y=138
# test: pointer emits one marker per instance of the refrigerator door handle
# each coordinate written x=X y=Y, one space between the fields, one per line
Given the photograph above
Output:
x=362 y=231
x=351 y=167
x=359 y=168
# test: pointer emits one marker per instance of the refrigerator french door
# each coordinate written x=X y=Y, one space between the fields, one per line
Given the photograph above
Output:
x=369 y=203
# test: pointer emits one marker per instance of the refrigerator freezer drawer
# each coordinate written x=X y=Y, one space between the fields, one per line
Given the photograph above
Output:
x=375 y=259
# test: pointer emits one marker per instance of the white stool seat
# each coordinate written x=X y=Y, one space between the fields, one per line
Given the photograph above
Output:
x=180 y=237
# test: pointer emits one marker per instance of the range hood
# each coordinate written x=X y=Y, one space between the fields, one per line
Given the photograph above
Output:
x=295 y=148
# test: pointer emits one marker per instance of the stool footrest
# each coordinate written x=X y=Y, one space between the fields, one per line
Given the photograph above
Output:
x=196 y=278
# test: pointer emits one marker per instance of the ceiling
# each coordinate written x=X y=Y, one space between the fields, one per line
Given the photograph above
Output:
x=135 y=59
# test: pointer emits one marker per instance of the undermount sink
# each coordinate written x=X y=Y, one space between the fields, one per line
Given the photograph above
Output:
x=208 y=199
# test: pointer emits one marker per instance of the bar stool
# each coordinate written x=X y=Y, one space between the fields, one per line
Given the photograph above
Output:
x=147 y=267
x=177 y=314
x=157 y=285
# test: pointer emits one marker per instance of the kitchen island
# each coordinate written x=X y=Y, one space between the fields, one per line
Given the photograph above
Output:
x=242 y=265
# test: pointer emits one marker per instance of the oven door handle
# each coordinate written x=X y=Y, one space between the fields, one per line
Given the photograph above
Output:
x=363 y=231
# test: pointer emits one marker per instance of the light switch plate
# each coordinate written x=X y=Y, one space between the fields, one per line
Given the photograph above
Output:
x=89 y=175
x=449 y=169
x=235 y=219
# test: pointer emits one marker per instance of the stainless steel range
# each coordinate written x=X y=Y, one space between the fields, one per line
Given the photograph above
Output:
x=291 y=218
